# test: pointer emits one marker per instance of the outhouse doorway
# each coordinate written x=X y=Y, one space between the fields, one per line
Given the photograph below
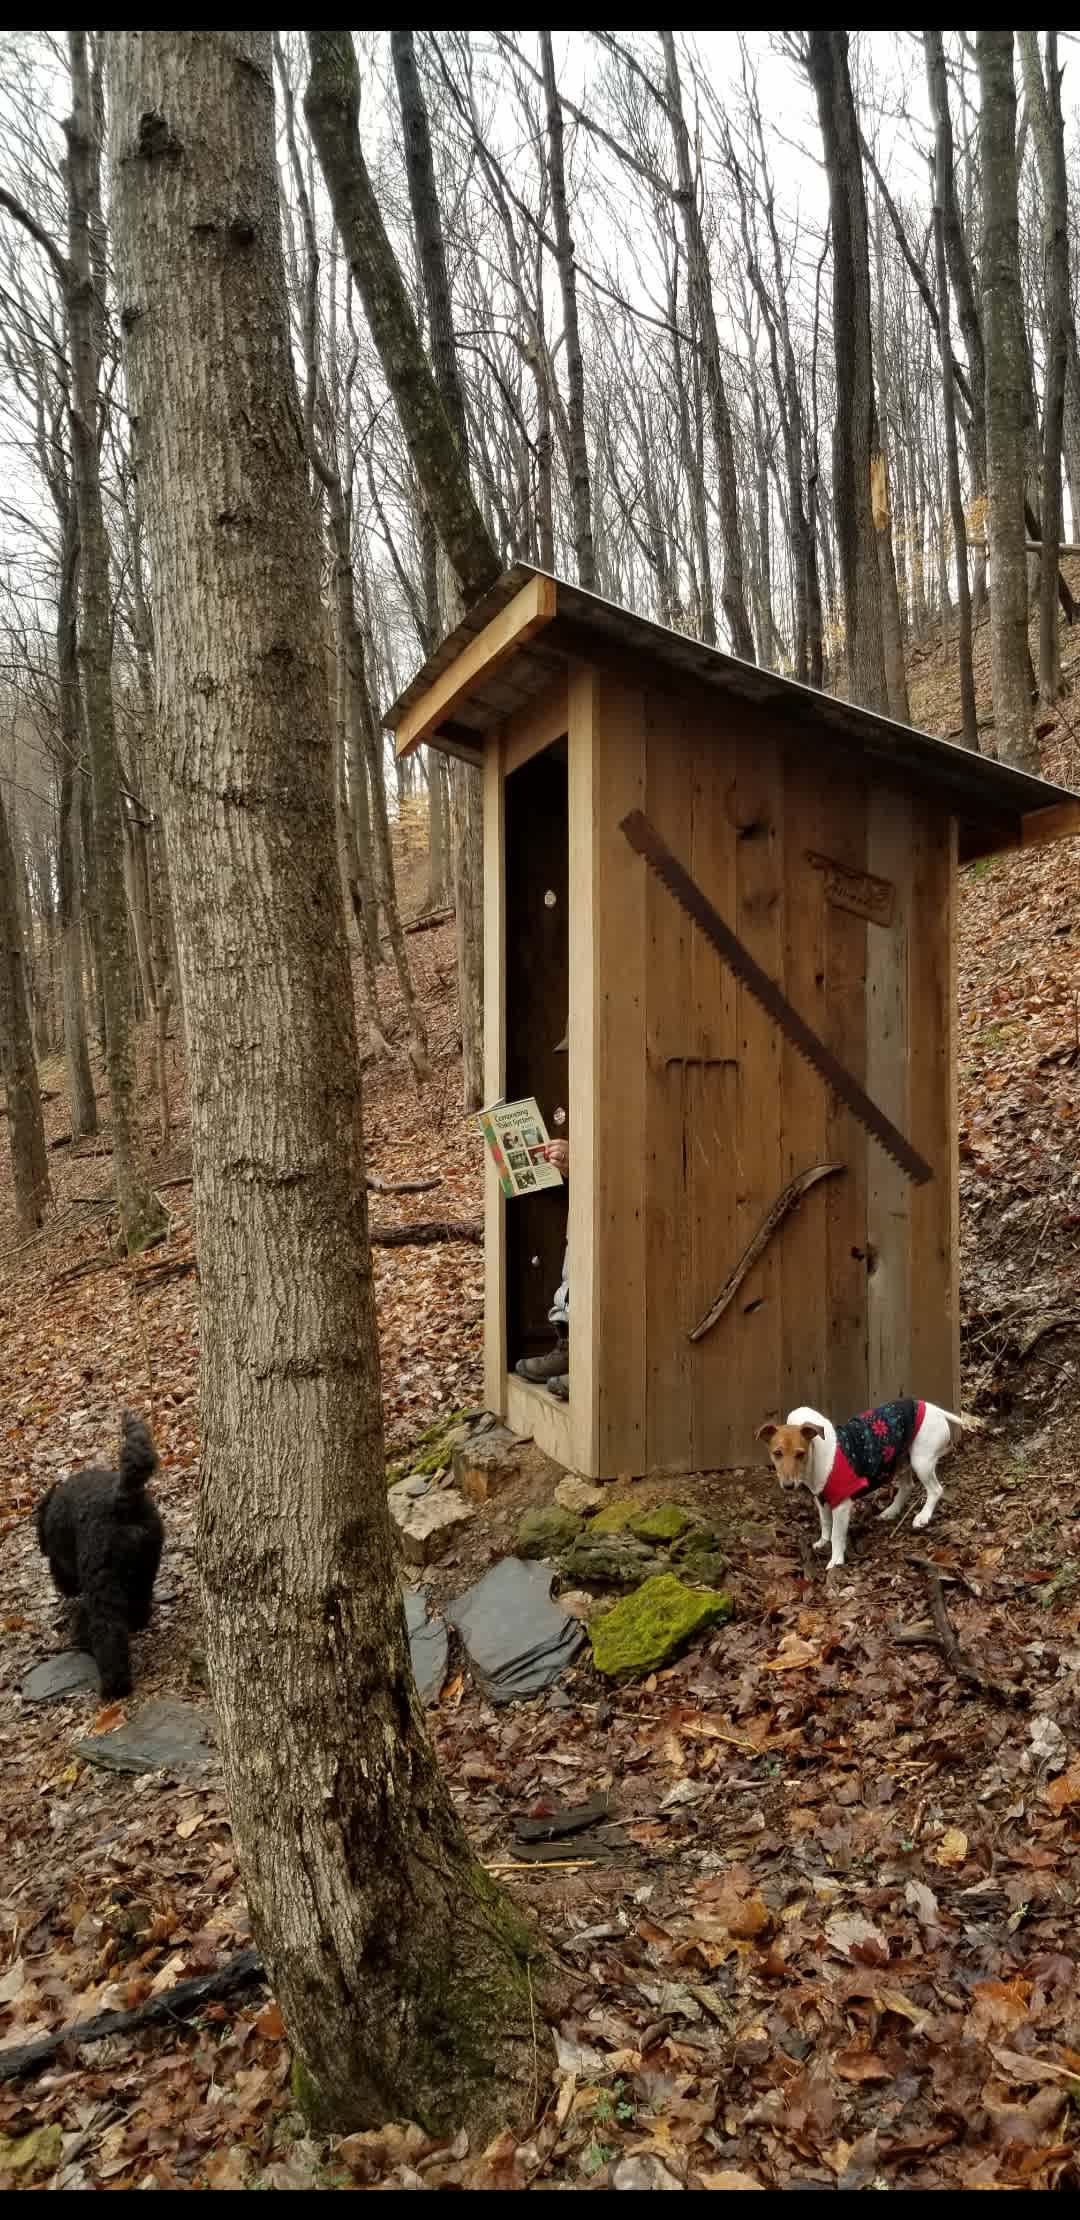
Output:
x=536 y=993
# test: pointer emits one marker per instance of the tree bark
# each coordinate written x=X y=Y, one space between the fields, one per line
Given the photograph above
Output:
x=952 y=460
x=332 y=107
x=18 y=1065
x=1048 y=132
x=580 y=486
x=401 y=1971
x=733 y=590
x=141 y=1214
x=81 y=1098
x=856 y=445
x=1003 y=329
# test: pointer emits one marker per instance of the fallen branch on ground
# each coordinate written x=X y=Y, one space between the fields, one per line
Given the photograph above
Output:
x=174 y=2004
x=401 y=1187
x=945 y=1638
x=428 y=922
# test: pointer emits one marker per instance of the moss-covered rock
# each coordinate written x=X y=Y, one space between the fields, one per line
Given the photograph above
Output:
x=664 y=1523
x=646 y=1629
x=616 y=1518
x=608 y=1560
x=544 y=1533
x=700 y=1556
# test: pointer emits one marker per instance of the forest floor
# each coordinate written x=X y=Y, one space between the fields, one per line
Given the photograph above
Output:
x=838 y=1946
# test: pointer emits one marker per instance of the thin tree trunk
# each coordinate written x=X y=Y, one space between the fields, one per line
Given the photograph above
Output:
x=856 y=448
x=141 y=1213
x=1003 y=325
x=733 y=590
x=332 y=107
x=82 y=1102
x=400 y=1969
x=1048 y=131
x=438 y=831
x=952 y=462
x=18 y=1065
x=467 y=831
x=580 y=488
x=962 y=279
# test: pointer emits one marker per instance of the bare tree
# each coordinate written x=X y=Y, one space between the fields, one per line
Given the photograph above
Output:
x=581 y=493
x=401 y=1970
x=18 y=1068
x=1003 y=325
x=1043 y=95
x=856 y=447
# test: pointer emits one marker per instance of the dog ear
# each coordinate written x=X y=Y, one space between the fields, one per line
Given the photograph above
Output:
x=766 y=1432
x=808 y=1431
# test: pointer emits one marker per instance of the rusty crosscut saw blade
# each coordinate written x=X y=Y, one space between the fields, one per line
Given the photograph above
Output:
x=647 y=843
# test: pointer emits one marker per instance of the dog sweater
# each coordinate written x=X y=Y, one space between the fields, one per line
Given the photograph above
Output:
x=870 y=1448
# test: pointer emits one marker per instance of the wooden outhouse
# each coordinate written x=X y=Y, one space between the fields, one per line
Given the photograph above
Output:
x=826 y=841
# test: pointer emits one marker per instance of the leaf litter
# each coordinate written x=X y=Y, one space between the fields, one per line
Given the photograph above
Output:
x=836 y=1946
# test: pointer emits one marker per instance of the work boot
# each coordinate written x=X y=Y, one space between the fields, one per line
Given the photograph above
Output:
x=546 y=1367
x=559 y=1387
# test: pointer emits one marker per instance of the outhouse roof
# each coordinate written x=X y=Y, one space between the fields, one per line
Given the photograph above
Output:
x=533 y=624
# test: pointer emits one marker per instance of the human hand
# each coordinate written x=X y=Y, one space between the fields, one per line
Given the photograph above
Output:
x=557 y=1154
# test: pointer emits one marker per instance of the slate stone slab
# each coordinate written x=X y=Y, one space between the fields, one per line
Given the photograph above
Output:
x=169 y=1735
x=429 y=1645
x=517 y=1640
x=59 y=1675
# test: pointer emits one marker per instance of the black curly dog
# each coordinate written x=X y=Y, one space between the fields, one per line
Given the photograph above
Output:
x=102 y=1535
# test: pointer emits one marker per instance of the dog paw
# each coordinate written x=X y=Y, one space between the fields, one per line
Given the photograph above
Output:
x=835 y=1564
x=822 y=1544
x=921 y=1519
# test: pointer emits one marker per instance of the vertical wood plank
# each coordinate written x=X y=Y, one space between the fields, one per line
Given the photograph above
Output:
x=618 y=943
x=846 y=1141
x=802 y=1241
x=757 y=804
x=711 y=1095
x=495 y=1354
x=889 y=1193
x=581 y=1074
x=669 y=1032
x=934 y=1207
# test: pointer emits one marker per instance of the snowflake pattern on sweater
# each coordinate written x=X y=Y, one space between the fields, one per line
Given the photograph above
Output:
x=871 y=1449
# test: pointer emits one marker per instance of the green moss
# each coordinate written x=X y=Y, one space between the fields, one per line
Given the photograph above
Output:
x=664 y=1523
x=430 y=1451
x=545 y=1532
x=305 y=2094
x=616 y=1518
x=608 y=1561
x=651 y=1626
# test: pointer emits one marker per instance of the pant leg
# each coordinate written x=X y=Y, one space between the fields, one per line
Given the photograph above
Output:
x=559 y=1314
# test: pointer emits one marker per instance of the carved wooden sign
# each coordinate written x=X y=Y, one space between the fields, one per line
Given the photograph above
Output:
x=857 y=891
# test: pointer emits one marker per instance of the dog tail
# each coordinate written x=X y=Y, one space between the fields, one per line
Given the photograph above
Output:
x=138 y=1457
x=962 y=1422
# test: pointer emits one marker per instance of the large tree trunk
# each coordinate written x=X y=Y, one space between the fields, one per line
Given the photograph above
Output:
x=401 y=1970
x=18 y=1066
x=141 y=1213
x=1048 y=132
x=1003 y=332
x=855 y=437
x=580 y=489
x=733 y=590
x=332 y=107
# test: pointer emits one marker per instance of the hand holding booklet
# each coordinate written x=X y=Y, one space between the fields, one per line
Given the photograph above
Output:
x=517 y=1137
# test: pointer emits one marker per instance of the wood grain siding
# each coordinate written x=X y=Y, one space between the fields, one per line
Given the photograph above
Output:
x=669 y=1307
x=932 y=1060
x=755 y=802
x=710 y=1098
x=889 y=1194
x=845 y=1280
x=495 y=1351
x=802 y=1243
x=620 y=1081
x=585 y=1114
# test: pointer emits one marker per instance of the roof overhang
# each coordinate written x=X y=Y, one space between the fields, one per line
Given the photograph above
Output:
x=530 y=626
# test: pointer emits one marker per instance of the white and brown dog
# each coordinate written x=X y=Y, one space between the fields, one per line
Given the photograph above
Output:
x=898 y=1441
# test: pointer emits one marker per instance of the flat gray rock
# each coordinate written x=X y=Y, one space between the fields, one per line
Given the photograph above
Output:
x=517 y=1640
x=429 y=1645
x=168 y=1735
x=59 y=1675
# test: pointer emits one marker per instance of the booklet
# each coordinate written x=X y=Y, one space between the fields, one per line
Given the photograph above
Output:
x=516 y=1135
